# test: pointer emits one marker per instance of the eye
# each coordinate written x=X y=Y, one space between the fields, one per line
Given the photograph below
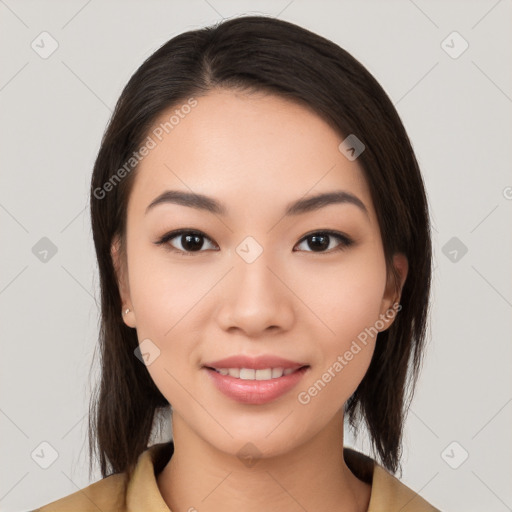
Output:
x=321 y=240
x=190 y=241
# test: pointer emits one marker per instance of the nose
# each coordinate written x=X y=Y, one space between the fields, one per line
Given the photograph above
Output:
x=255 y=297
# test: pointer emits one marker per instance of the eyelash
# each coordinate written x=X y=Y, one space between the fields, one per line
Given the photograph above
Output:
x=345 y=241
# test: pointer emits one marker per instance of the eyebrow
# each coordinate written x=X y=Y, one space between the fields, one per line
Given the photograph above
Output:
x=304 y=205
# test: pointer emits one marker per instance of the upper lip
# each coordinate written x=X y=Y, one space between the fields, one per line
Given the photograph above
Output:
x=256 y=363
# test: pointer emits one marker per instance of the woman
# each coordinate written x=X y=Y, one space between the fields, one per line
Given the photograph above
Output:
x=262 y=235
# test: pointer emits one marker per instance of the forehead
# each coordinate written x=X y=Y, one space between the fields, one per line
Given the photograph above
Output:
x=245 y=149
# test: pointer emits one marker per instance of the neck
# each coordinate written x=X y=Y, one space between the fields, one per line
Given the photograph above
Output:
x=313 y=476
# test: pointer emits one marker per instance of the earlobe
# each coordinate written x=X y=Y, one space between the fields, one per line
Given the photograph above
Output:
x=128 y=320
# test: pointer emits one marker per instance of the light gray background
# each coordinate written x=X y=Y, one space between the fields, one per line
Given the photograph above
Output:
x=458 y=114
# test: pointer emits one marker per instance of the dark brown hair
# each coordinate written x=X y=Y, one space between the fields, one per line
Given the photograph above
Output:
x=259 y=53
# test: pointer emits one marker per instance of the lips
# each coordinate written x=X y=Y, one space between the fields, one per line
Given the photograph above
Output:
x=255 y=363
x=255 y=380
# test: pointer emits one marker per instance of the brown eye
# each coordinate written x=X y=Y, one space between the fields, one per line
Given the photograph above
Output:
x=321 y=241
x=188 y=241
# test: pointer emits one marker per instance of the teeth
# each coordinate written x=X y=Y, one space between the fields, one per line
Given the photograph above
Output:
x=251 y=374
x=277 y=372
x=247 y=374
x=265 y=374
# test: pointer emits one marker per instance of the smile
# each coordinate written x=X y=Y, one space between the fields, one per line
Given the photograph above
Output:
x=252 y=374
x=255 y=387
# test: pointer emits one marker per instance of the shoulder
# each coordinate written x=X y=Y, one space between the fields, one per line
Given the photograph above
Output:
x=388 y=493
x=115 y=493
x=106 y=495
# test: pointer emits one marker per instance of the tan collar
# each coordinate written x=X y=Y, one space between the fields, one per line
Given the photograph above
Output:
x=388 y=493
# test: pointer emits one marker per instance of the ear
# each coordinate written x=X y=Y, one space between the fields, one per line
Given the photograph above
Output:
x=120 y=264
x=391 y=300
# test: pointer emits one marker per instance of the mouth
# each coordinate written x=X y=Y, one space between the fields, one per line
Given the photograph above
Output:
x=256 y=374
x=255 y=386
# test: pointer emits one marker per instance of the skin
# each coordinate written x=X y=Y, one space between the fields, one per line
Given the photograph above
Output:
x=255 y=153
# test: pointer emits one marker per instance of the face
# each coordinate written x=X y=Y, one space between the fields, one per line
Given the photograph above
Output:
x=252 y=279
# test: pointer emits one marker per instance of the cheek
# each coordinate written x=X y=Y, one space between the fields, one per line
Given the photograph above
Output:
x=162 y=307
x=163 y=293
x=348 y=295
x=171 y=303
x=350 y=304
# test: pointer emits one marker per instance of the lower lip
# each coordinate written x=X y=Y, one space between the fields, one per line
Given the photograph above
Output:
x=255 y=392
